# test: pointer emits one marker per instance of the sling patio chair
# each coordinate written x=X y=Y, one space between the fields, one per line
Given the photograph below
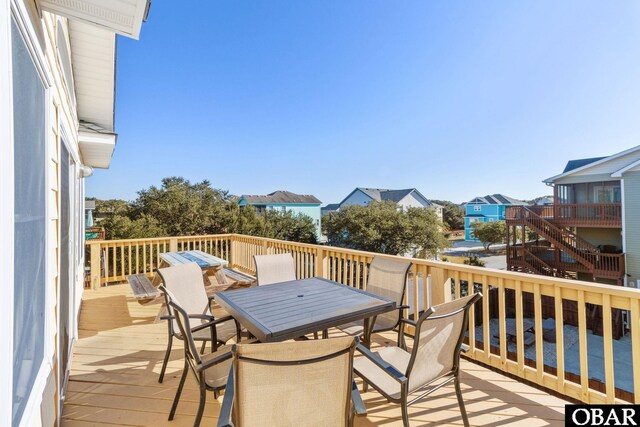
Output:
x=299 y=383
x=275 y=268
x=211 y=370
x=186 y=283
x=387 y=278
x=433 y=362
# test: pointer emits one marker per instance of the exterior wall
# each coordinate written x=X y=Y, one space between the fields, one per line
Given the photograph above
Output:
x=631 y=226
x=601 y=236
x=488 y=213
x=312 y=211
x=611 y=166
x=40 y=31
x=356 y=198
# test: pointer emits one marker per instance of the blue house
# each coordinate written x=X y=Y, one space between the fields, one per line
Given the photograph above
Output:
x=486 y=209
x=286 y=201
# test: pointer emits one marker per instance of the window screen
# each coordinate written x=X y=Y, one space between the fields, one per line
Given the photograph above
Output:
x=29 y=222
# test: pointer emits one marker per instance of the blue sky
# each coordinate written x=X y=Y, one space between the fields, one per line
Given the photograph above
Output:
x=457 y=99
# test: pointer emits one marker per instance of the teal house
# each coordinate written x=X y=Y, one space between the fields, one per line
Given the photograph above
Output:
x=286 y=201
x=486 y=209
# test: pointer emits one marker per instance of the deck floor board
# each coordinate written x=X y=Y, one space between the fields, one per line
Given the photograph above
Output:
x=116 y=362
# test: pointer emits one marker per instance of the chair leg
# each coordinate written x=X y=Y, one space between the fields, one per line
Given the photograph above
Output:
x=465 y=419
x=179 y=391
x=405 y=413
x=315 y=335
x=166 y=359
x=203 y=400
x=365 y=386
x=325 y=334
x=204 y=346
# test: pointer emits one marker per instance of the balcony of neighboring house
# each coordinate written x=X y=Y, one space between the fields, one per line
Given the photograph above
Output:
x=534 y=342
x=593 y=204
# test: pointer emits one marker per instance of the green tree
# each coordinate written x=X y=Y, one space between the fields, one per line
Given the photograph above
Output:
x=384 y=228
x=288 y=226
x=452 y=215
x=180 y=208
x=489 y=232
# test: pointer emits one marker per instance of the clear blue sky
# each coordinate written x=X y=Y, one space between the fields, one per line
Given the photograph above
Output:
x=455 y=98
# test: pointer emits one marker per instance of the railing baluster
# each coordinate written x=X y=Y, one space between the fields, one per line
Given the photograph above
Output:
x=537 y=309
x=634 y=320
x=559 y=338
x=607 y=340
x=584 y=358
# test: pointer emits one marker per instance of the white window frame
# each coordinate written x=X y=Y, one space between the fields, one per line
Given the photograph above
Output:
x=477 y=208
x=14 y=9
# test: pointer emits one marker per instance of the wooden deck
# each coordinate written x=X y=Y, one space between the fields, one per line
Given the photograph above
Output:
x=116 y=362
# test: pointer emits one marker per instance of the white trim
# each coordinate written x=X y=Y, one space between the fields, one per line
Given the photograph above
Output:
x=624 y=230
x=6 y=216
x=30 y=36
x=618 y=173
x=590 y=165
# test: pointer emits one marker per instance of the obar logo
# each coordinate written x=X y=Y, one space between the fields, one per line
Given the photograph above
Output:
x=602 y=415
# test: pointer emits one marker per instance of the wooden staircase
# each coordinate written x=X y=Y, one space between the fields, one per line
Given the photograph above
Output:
x=588 y=258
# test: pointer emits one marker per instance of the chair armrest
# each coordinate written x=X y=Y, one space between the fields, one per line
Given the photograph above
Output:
x=224 y=355
x=387 y=367
x=167 y=317
x=402 y=307
x=224 y=417
x=201 y=316
x=358 y=404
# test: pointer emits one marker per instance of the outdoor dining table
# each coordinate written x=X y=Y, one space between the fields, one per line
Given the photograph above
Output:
x=208 y=263
x=287 y=310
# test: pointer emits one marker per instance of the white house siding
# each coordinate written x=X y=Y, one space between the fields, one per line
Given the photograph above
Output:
x=611 y=166
x=414 y=201
x=632 y=226
x=41 y=31
x=356 y=198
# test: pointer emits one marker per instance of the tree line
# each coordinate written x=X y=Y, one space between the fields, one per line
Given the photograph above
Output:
x=180 y=208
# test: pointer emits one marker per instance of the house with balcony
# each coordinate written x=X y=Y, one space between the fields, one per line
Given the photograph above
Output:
x=486 y=209
x=57 y=80
x=286 y=201
x=592 y=230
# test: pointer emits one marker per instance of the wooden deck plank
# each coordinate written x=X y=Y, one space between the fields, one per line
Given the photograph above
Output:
x=114 y=379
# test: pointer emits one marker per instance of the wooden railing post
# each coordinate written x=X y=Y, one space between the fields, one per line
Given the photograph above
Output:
x=440 y=286
x=320 y=261
x=173 y=244
x=232 y=247
x=95 y=264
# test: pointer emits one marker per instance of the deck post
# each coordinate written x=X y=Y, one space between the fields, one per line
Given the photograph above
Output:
x=173 y=244
x=440 y=286
x=320 y=261
x=95 y=265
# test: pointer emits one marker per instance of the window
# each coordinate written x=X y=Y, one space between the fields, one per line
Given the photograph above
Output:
x=29 y=222
x=477 y=208
x=283 y=209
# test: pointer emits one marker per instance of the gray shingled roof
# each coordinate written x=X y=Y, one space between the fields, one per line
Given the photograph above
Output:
x=384 y=194
x=497 y=199
x=578 y=163
x=331 y=207
x=280 y=197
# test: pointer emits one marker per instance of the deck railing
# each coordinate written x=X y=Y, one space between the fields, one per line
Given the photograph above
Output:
x=577 y=365
x=582 y=214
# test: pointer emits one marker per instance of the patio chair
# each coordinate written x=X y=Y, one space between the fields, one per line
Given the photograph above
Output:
x=433 y=362
x=186 y=283
x=300 y=383
x=211 y=370
x=274 y=268
x=387 y=278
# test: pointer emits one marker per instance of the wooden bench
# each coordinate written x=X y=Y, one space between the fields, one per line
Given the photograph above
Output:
x=143 y=289
x=227 y=279
x=238 y=276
